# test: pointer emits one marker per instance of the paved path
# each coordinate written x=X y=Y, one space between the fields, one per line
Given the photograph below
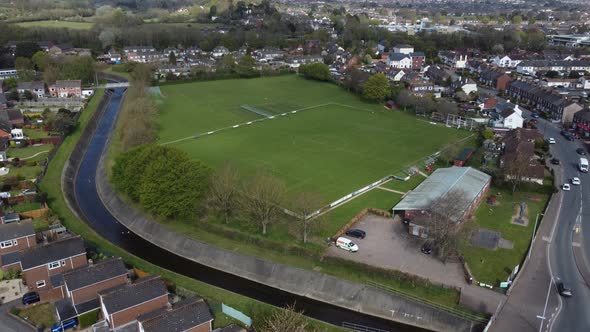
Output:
x=392 y=190
x=9 y=323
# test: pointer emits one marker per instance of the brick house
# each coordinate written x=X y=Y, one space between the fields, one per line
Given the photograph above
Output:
x=81 y=286
x=42 y=266
x=66 y=89
x=494 y=79
x=122 y=305
x=189 y=315
x=14 y=238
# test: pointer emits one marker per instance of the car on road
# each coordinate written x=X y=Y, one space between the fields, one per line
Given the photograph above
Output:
x=563 y=289
x=534 y=115
x=565 y=187
x=555 y=161
x=30 y=298
x=551 y=140
x=358 y=233
x=576 y=181
x=581 y=151
x=426 y=248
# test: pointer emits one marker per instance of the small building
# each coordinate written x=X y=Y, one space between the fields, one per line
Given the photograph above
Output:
x=17 y=134
x=463 y=157
x=191 y=314
x=122 y=305
x=470 y=181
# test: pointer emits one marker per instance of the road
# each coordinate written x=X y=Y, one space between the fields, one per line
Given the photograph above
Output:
x=534 y=304
x=9 y=323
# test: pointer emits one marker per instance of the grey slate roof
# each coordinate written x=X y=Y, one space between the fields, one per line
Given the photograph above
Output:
x=57 y=280
x=65 y=309
x=16 y=230
x=35 y=85
x=184 y=315
x=122 y=297
x=91 y=274
x=10 y=258
x=442 y=181
x=68 y=84
x=87 y=306
x=398 y=56
x=52 y=252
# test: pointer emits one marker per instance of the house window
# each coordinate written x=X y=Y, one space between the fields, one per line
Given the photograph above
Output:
x=40 y=283
x=53 y=265
x=63 y=262
x=6 y=244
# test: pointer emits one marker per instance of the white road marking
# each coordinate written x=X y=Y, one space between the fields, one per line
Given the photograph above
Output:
x=546 y=239
x=576 y=244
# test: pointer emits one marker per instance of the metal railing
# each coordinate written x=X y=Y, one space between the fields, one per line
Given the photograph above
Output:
x=361 y=328
x=431 y=304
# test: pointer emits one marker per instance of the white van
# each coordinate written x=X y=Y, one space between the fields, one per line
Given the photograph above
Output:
x=346 y=244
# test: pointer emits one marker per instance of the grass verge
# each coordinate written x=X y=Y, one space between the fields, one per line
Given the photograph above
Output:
x=40 y=314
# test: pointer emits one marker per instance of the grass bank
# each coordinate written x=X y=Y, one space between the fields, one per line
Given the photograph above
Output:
x=51 y=184
x=56 y=24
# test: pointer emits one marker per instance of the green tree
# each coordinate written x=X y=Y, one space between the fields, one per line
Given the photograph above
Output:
x=41 y=60
x=10 y=83
x=376 y=88
x=315 y=71
x=285 y=320
x=172 y=58
x=63 y=123
x=516 y=19
x=245 y=67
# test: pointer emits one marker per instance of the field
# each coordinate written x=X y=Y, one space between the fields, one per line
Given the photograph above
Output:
x=334 y=144
x=56 y=24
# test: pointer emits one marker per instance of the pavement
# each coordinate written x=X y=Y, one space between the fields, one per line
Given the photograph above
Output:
x=386 y=236
x=8 y=323
x=558 y=254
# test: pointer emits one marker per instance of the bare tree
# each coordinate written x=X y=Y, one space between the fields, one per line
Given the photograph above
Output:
x=285 y=320
x=223 y=191
x=516 y=170
x=305 y=204
x=262 y=198
x=443 y=224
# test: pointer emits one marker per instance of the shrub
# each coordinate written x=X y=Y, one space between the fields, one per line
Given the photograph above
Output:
x=31 y=163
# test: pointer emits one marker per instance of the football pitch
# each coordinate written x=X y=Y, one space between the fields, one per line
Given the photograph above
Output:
x=315 y=136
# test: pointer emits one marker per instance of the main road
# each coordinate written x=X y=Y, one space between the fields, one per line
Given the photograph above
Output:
x=100 y=219
x=558 y=255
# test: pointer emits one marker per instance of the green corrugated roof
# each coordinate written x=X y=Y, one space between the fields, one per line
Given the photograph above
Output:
x=440 y=182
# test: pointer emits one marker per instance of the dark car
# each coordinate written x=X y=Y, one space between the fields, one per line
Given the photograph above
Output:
x=534 y=115
x=564 y=290
x=30 y=298
x=570 y=137
x=555 y=161
x=581 y=151
x=426 y=248
x=359 y=234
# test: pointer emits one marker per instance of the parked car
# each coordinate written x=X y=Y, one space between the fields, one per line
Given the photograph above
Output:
x=576 y=181
x=566 y=187
x=359 y=234
x=346 y=244
x=581 y=151
x=426 y=248
x=534 y=115
x=30 y=298
x=551 y=140
x=64 y=325
x=555 y=161
x=564 y=290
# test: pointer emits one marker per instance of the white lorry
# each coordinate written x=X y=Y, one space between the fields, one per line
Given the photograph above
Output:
x=583 y=165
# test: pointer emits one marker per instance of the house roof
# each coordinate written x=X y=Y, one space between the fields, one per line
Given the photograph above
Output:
x=507 y=112
x=398 y=56
x=11 y=258
x=35 y=85
x=16 y=230
x=442 y=181
x=52 y=252
x=122 y=297
x=490 y=102
x=65 y=309
x=14 y=114
x=403 y=46
x=11 y=216
x=183 y=316
x=68 y=84
x=91 y=274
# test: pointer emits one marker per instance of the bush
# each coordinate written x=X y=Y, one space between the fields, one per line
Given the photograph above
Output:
x=31 y=163
x=316 y=71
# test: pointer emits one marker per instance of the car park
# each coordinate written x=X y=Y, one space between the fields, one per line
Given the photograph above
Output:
x=30 y=298
x=357 y=233
x=576 y=181
x=564 y=290
x=551 y=140
x=581 y=151
x=555 y=161
x=566 y=187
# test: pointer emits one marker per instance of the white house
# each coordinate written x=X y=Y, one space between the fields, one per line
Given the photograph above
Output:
x=403 y=49
x=219 y=51
x=396 y=76
x=506 y=61
x=465 y=84
x=17 y=134
x=399 y=61
x=507 y=115
x=453 y=59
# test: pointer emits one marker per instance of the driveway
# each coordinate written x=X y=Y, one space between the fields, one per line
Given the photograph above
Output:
x=388 y=245
x=9 y=323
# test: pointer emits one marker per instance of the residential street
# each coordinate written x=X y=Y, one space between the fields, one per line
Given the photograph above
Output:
x=534 y=304
x=9 y=323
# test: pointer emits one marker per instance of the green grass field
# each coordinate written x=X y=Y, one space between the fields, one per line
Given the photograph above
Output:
x=56 y=24
x=327 y=148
